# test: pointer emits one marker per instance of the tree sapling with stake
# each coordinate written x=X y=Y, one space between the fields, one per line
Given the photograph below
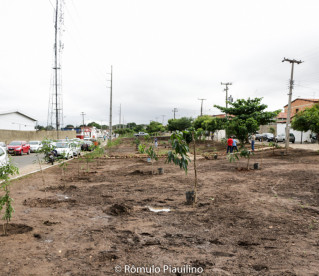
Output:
x=6 y=170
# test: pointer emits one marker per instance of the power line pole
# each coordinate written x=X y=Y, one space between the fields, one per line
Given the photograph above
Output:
x=201 y=106
x=82 y=114
x=56 y=68
x=174 y=111
x=120 y=118
x=163 y=116
x=292 y=61
x=111 y=84
x=226 y=89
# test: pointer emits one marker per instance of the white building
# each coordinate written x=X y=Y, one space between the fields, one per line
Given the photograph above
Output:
x=15 y=120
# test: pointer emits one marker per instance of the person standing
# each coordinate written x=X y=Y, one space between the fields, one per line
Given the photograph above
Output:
x=155 y=141
x=230 y=144
x=235 y=145
x=253 y=138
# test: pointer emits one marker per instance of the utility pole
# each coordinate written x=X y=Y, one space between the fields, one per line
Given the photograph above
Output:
x=110 y=126
x=56 y=68
x=226 y=89
x=82 y=114
x=201 y=106
x=120 y=118
x=174 y=111
x=292 y=61
x=163 y=116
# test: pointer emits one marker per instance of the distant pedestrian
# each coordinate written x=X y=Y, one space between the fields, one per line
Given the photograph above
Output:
x=104 y=137
x=155 y=141
x=235 y=145
x=253 y=138
x=230 y=145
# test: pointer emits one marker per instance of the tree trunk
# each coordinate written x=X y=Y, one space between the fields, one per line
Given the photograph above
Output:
x=195 y=170
x=42 y=176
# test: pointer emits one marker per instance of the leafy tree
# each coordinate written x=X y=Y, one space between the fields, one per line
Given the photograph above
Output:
x=123 y=131
x=179 y=124
x=139 y=128
x=199 y=121
x=38 y=127
x=246 y=116
x=94 y=124
x=104 y=127
x=69 y=126
x=131 y=125
x=307 y=119
x=241 y=128
x=49 y=128
x=154 y=127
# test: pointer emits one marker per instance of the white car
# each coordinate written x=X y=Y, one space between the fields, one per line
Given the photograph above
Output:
x=64 y=149
x=76 y=148
x=35 y=146
x=3 y=157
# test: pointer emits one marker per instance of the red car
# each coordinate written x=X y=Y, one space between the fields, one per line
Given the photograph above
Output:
x=18 y=147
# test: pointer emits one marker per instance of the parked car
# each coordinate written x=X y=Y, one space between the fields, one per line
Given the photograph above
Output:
x=76 y=148
x=64 y=149
x=3 y=156
x=282 y=138
x=268 y=137
x=87 y=146
x=3 y=145
x=35 y=146
x=258 y=137
x=140 y=134
x=18 y=147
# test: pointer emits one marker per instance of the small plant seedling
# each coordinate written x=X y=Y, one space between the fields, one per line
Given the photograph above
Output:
x=232 y=157
x=246 y=154
x=141 y=148
x=6 y=201
x=178 y=154
x=151 y=154
x=273 y=145
x=63 y=165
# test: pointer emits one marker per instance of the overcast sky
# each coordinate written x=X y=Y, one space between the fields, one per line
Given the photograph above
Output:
x=165 y=54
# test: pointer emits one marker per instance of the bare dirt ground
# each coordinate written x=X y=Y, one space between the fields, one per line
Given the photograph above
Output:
x=255 y=222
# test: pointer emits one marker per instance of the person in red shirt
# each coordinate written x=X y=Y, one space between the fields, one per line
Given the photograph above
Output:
x=230 y=145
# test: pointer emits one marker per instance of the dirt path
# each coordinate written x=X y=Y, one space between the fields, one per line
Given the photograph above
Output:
x=256 y=222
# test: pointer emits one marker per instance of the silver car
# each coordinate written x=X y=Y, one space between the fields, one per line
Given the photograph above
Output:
x=282 y=138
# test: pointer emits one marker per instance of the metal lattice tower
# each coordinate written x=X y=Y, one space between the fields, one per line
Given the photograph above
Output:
x=55 y=109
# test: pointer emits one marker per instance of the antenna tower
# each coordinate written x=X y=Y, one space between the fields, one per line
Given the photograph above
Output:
x=55 y=108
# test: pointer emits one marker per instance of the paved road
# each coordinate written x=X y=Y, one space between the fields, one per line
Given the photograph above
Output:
x=311 y=146
x=27 y=163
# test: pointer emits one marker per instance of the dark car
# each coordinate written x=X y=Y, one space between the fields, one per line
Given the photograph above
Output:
x=87 y=146
x=268 y=137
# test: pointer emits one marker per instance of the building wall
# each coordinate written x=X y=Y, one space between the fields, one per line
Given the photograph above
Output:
x=304 y=136
x=16 y=121
x=299 y=104
x=219 y=135
x=266 y=129
x=12 y=135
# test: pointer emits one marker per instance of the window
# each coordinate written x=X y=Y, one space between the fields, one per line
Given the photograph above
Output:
x=297 y=109
x=1 y=152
